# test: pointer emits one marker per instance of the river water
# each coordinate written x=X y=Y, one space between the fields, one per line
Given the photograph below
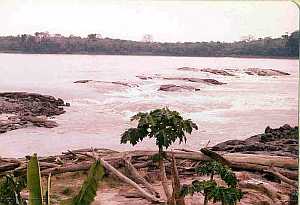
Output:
x=100 y=112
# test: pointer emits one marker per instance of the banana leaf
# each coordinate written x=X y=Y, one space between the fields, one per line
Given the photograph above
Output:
x=34 y=181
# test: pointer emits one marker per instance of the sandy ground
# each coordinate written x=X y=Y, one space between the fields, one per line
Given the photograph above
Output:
x=113 y=192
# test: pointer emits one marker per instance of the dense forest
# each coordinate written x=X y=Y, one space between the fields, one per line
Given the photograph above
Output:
x=43 y=42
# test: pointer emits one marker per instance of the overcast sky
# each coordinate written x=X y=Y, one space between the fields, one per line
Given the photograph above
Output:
x=167 y=21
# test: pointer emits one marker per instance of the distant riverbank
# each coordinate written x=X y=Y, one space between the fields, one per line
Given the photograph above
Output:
x=40 y=43
x=150 y=54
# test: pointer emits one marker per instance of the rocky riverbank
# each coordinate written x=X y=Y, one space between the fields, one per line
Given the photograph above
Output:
x=21 y=109
x=282 y=141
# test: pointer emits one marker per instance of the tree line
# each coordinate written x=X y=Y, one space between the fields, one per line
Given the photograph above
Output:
x=40 y=42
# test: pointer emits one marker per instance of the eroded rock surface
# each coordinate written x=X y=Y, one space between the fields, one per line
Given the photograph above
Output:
x=189 y=69
x=21 y=109
x=173 y=88
x=142 y=77
x=196 y=80
x=127 y=84
x=82 y=81
x=187 y=79
x=233 y=72
x=208 y=70
x=279 y=141
x=265 y=72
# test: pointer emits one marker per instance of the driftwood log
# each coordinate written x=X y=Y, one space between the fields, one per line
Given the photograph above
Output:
x=184 y=161
x=263 y=188
x=73 y=162
x=139 y=179
x=177 y=199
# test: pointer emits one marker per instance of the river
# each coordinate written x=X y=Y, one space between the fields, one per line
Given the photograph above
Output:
x=100 y=112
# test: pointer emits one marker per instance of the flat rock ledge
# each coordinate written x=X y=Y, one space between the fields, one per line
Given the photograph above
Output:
x=282 y=141
x=265 y=72
x=233 y=72
x=208 y=81
x=177 y=88
x=126 y=84
x=22 y=109
x=207 y=70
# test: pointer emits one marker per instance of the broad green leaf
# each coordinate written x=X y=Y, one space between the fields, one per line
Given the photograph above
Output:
x=34 y=181
x=88 y=190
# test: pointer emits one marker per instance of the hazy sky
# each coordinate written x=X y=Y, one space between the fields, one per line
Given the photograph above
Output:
x=169 y=21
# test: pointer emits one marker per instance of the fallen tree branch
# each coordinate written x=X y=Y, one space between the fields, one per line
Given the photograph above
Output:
x=261 y=187
x=125 y=179
x=287 y=166
x=134 y=173
x=176 y=197
x=215 y=156
x=283 y=178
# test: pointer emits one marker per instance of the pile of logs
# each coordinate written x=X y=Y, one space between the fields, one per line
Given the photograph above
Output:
x=284 y=169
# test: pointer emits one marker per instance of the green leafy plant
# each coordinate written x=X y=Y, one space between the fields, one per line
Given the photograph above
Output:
x=88 y=190
x=10 y=189
x=229 y=195
x=34 y=183
x=166 y=127
x=85 y=196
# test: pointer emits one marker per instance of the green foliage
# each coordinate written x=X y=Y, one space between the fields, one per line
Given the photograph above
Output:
x=10 y=188
x=285 y=46
x=229 y=195
x=198 y=187
x=292 y=44
x=85 y=196
x=88 y=190
x=34 y=181
x=164 y=125
x=214 y=167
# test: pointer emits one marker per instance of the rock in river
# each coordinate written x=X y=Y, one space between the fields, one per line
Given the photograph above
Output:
x=196 y=80
x=207 y=70
x=21 y=109
x=127 y=84
x=265 y=72
x=172 y=88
